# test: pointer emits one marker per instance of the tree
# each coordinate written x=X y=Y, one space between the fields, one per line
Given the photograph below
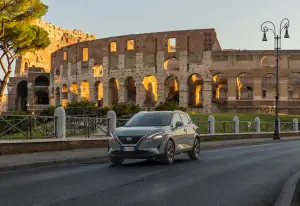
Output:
x=18 y=35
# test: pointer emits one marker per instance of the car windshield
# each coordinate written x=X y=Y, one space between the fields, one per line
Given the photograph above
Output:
x=150 y=119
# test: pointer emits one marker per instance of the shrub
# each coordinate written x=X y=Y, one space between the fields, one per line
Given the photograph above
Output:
x=169 y=106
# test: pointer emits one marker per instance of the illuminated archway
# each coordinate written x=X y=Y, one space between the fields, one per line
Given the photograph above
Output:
x=64 y=91
x=85 y=90
x=113 y=91
x=268 y=86
x=244 y=86
x=172 y=88
x=294 y=86
x=172 y=64
x=150 y=85
x=130 y=90
x=74 y=92
x=220 y=86
x=98 y=91
x=98 y=71
x=195 y=87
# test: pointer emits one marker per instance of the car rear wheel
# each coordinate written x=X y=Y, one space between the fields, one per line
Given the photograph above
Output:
x=169 y=153
x=116 y=160
x=194 y=154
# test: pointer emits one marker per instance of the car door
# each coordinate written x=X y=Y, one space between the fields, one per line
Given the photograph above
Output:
x=188 y=136
x=178 y=132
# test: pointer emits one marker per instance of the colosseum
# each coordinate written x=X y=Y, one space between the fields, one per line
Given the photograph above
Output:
x=187 y=66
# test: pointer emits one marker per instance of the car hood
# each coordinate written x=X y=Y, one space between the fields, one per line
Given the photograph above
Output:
x=138 y=131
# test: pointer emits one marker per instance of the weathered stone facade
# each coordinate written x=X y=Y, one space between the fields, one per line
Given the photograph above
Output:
x=36 y=64
x=185 y=66
x=149 y=61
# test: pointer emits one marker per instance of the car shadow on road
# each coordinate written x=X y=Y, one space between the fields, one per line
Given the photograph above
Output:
x=155 y=163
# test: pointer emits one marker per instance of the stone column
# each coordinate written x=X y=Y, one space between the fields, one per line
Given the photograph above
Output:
x=257 y=92
x=121 y=93
x=161 y=96
x=105 y=94
x=231 y=88
x=283 y=88
x=92 y=93
x=140 y=93
x=183 y=93
x=183 y=59
x=207 y=96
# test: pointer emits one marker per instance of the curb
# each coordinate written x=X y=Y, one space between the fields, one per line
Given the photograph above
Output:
x=51 y=163
x=286 y=195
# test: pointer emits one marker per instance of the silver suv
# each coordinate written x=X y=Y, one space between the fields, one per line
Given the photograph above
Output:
x=155 y=135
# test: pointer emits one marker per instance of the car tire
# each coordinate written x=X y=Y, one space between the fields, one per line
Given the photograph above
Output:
x=194 y=154
x=169 y=152
x=116 y=160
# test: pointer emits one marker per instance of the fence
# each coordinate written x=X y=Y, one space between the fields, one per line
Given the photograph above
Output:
x=235 y=126
x=27 y=126
x=87 y=126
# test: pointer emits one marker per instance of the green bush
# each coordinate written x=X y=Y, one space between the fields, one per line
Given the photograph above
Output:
x=121 y=109
x=48 y=112
x=169 y=106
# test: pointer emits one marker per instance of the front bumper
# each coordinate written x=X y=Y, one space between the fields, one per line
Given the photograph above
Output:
x=143 y=150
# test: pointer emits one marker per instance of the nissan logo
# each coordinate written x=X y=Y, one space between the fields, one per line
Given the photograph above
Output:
x=129 y=139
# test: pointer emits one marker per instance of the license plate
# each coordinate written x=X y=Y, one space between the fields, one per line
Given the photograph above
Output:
x=128 y=149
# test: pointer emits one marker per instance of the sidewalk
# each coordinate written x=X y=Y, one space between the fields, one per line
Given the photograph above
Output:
x=32 y=160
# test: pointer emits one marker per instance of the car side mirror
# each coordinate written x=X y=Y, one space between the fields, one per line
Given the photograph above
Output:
x=178 y=124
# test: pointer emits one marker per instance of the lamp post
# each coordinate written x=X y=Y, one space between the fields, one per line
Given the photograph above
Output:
x=284 y=25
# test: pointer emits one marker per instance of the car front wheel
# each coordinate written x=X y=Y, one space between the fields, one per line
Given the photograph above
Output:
x=116 y=160
x=194 y=154
x=169 y=153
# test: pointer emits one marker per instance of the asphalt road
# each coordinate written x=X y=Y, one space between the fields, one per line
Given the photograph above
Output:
x=252 y=175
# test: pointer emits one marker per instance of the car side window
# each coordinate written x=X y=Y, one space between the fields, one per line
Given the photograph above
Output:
x=185 y=119
x=176 y=118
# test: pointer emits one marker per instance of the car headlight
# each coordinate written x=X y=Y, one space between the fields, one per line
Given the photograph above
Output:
x=112 y=137
x=156 y=136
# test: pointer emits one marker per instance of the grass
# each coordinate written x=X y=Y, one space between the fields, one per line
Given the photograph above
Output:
x=244 y=117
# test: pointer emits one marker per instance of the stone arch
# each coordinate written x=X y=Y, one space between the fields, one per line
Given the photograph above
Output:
x=113 y=91
x=294 y=86
x=130 y=90
x=172 y=88
x=172 y=64
x=98 y=92
x=220 y=86
x=195 y=87
x=22 y=96
x=41 y=81
x=57 y=96
x=85 y=90
x=150 y=85
x=268 y=86
x=268 y=61
x=42 y=97
x=74 y=91
x=244 y=86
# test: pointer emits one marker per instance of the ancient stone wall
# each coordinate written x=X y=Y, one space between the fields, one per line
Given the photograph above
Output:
x=59 y=37
x=145 y=68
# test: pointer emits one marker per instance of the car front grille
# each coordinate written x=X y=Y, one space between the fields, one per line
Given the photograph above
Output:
x=130 y=139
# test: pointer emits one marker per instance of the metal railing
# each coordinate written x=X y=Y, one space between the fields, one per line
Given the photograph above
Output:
x=27 y=126
x=87 y=126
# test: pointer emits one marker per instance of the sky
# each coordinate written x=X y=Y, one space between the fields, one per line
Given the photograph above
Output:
x=237 y=22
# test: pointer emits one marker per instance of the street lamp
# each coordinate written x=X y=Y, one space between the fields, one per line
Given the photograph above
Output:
x=284 y=25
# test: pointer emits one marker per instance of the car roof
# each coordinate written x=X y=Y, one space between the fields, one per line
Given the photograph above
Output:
x=175 y=111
